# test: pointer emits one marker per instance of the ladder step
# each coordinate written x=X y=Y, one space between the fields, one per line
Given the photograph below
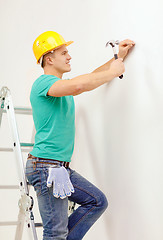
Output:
x=11 y=150
x=16 y=223
x=20 y=110
x=38 y=225
x=9 y=187
x=26 y=144
x=6 y=150
x=21 y=144
x=26 y=111
x=8 y=223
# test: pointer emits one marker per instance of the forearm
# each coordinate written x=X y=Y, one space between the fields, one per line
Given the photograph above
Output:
x=88 y=82
x=104 y=67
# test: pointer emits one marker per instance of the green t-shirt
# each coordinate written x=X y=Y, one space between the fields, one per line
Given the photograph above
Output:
x=54 y=119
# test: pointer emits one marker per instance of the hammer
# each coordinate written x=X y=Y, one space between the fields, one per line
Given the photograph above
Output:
x=113 y=43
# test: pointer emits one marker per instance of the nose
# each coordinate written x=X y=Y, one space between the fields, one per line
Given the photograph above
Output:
x=69 y=57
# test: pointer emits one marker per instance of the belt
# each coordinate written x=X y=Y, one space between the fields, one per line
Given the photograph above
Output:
x=65 y=164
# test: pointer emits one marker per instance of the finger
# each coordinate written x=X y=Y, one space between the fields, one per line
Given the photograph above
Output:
x=49 y=182
x=67 y=190
x=68 y=182
x=121 y=59
x=62 y=193
x=127 y=42
x=71 y=188
x=49 y=179
x=56 y=190
x=128 y=47
x=64 y=196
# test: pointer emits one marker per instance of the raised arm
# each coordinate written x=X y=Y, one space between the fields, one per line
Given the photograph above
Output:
x=86 y=82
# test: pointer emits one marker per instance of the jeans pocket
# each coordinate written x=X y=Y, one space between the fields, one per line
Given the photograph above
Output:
x=34 y=179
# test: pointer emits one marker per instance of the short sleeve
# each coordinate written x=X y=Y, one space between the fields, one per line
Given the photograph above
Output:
x=44 y=84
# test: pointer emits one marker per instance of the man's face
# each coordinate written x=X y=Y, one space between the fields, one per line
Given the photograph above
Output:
x=61 y=59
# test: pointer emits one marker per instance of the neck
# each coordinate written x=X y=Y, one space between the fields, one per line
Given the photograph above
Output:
x=53 y=72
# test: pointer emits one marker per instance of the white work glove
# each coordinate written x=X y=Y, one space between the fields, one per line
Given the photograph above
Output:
x=62 y=186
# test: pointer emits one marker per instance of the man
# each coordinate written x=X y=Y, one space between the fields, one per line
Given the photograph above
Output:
x=47 y=166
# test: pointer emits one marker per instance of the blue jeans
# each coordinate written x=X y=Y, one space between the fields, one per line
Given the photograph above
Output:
x=54 y=211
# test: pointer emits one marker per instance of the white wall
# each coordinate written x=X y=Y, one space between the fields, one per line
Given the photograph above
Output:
x=119 y=126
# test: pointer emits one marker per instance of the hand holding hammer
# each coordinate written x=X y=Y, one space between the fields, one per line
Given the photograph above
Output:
x=124 y=47
x=113 y=43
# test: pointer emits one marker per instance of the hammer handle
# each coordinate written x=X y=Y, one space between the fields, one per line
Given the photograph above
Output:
x=116 y=57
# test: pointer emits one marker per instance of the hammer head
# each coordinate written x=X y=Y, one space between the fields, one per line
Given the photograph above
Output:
x=112 y=43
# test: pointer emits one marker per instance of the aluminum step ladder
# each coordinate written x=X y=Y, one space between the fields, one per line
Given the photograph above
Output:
x=26 y=202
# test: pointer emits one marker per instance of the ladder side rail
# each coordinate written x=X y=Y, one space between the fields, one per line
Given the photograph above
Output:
x=20 y=166
x=3 y=94
x=20 y=225
x=16 y=143
x=32 y=226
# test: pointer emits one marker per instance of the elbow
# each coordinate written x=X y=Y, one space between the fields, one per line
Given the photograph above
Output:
x=78 y=89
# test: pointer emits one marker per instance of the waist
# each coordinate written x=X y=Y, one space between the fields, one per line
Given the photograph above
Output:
x=48 y=161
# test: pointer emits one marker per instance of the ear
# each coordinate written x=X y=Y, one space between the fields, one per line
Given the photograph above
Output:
x=49 y=60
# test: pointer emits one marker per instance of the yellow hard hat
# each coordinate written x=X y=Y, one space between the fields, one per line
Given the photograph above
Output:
x=46 y=42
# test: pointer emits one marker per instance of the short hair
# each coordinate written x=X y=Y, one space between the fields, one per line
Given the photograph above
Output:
x=43 y=62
